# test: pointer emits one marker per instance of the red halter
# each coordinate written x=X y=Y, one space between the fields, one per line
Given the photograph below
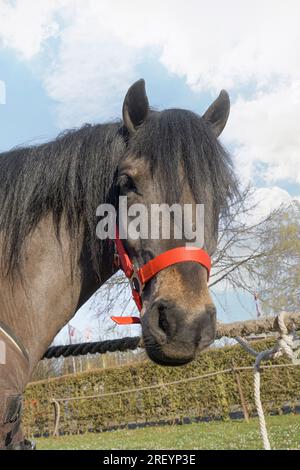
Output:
x=138 y=277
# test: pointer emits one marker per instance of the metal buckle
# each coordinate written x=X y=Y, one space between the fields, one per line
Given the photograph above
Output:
x=116 y=260
x=135 y=282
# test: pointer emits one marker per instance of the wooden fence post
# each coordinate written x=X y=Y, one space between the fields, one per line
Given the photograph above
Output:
x=240 y=390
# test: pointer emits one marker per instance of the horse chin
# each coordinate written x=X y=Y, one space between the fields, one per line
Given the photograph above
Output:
x=166 y=353
x=163 y=360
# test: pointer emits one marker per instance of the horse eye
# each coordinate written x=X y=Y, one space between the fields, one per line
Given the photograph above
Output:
x=126 y=184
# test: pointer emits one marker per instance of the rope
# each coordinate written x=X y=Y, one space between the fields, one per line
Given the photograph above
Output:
x=168 y=384
x=230 y=330
x=285 y=345
x=101 y=347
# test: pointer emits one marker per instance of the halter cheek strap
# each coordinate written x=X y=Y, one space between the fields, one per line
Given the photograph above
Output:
x=138 y=277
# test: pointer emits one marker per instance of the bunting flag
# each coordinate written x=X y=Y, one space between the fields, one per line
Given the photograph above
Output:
x=72 y=332
x=88 y=334
x=256 y=300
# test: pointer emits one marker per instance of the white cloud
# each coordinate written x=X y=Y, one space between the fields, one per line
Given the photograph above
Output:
x=212 y=44
x=27 y=24
x=266 y=133
x=241 y=46
x=92 y=71
x=265 y=200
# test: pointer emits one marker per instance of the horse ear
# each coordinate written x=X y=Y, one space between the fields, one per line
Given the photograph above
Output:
x=135 y=106
x=218 y=112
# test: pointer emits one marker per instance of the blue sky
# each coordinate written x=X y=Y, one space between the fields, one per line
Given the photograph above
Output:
x=27 y=114
x=64 y=63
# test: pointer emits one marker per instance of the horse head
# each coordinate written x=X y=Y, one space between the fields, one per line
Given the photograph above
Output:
x=173 y=160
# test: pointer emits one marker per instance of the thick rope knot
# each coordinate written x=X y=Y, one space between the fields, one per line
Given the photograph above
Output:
x=287 y=344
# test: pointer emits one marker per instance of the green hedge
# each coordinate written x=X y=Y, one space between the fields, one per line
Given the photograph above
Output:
x=214 y=397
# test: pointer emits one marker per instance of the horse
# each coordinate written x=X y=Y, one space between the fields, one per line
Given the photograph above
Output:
x=52 y=261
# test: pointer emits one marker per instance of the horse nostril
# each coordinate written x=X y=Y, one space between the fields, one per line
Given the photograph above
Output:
x=167 y=318
x=162 y=320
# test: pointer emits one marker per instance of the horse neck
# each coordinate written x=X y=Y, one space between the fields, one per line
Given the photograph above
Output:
x=92 y=280
x=50 y=289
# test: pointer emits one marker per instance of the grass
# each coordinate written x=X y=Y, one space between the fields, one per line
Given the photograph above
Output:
x=284 y=433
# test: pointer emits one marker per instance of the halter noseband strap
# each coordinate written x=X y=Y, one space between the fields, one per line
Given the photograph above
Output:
x=138 y=277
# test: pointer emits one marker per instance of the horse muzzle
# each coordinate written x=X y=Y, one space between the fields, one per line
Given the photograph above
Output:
x=174 y=337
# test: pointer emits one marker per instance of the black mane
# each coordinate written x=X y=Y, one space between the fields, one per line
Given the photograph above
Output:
x=70 y=175
x=73 y=174
x=177 y=137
